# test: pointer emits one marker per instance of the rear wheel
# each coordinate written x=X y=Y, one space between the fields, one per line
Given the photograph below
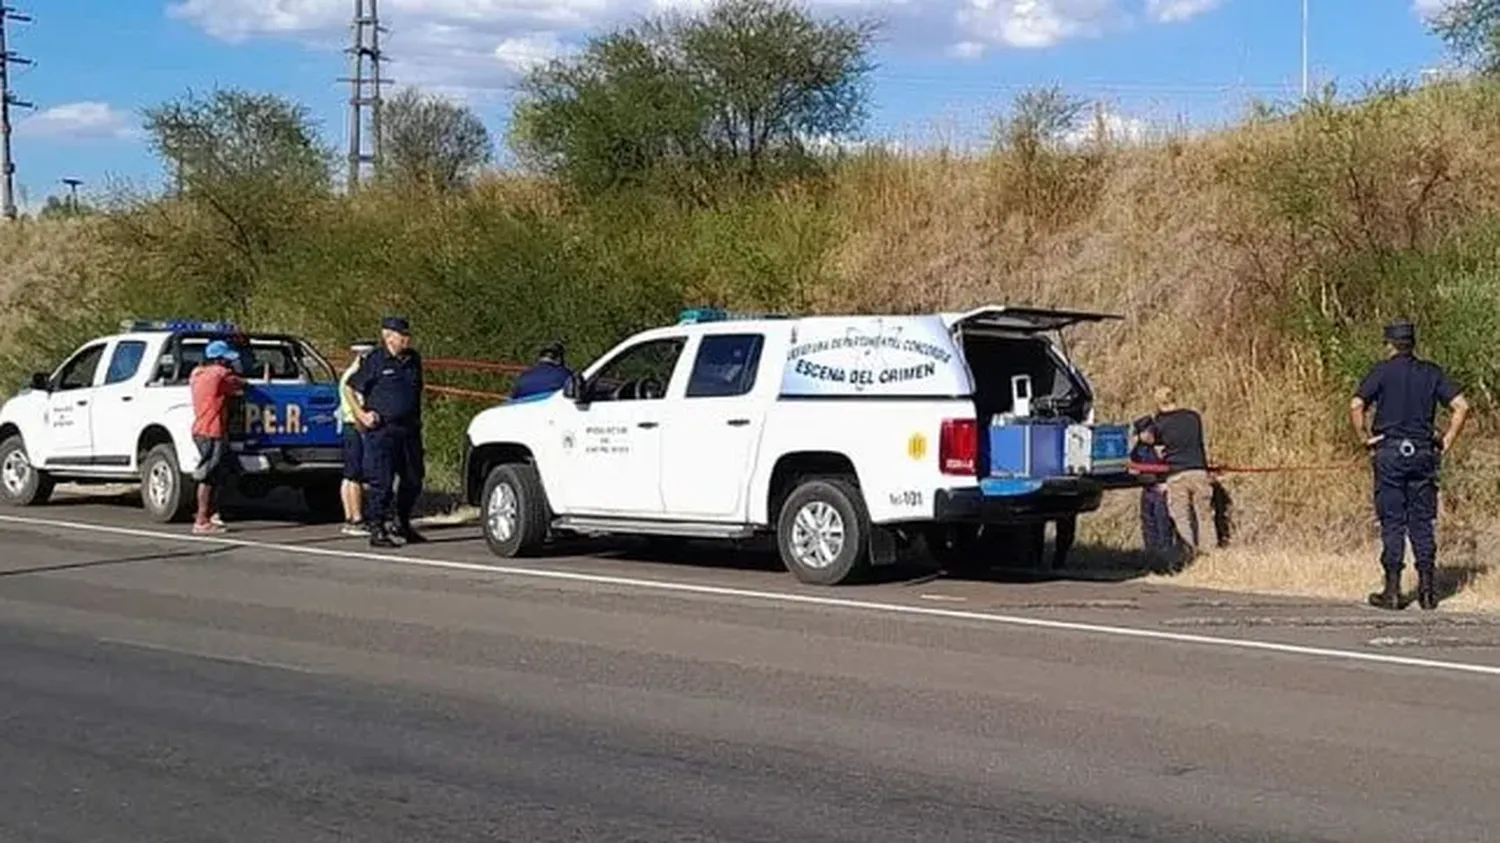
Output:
x=516 y=516
x=823 y=531
x=167 y=494
x=21 y=483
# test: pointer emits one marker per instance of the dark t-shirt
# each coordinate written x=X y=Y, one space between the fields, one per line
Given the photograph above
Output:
x=1406 y=392
x=1180 y=433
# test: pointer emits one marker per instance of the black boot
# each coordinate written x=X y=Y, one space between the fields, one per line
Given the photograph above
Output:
x=409 y=533
x=380 y=536
x=1390 y=598
x=1427 y=589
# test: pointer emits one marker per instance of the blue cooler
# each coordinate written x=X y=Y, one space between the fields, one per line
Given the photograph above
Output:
x=1030 y=448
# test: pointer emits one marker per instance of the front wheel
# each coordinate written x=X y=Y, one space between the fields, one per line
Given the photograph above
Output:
x=21 y=483
x=516 y=516
x=167 y=494
x=823 y=531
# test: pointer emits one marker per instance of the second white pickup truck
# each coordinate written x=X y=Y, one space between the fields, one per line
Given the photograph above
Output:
x=844 y=436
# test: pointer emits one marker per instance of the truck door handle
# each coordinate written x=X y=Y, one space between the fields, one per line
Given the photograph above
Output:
x=127 y=397
x=737 y=422
x=83 y=403
x=647 y=425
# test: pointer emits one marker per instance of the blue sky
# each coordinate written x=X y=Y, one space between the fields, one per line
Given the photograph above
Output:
x=947 y=66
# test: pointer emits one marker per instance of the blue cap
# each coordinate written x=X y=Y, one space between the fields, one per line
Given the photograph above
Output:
x=1402 y=331
x=397 y=324
x=220 y=350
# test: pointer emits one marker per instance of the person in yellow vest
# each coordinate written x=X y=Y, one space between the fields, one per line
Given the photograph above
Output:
x=353 y=488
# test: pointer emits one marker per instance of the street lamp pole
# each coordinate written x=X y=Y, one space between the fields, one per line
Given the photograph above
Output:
x=1304 y=49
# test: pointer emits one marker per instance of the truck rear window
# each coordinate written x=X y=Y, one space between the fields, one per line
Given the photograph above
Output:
x=285 y=360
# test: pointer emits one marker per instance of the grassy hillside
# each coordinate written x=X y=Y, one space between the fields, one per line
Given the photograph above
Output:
x=1254 y=268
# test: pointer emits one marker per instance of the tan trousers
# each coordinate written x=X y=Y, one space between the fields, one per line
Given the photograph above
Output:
x=1188 y=492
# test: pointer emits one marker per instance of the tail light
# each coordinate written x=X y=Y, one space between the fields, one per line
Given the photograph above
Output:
x=958 y=447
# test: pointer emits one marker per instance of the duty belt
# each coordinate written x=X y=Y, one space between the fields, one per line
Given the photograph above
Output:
x=1408 y=447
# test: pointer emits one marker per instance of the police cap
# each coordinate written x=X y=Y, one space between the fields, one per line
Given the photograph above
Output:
x=1142 y=424
x=397 y=324
x=1402 y=331
x=552 y=351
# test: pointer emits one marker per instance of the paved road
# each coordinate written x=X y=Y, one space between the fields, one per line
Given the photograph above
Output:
x=157 y=688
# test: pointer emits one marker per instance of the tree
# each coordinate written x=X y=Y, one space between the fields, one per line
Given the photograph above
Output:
x=235 y=138
x=254 y=161
x=431 y=141
x=61 y=208
x=1471 y=30
x=737 y=91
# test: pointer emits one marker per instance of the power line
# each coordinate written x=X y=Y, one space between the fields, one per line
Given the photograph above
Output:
x=8 y=100
x=365 y=81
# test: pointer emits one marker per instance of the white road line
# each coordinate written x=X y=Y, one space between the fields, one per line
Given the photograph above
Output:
x=781 y=597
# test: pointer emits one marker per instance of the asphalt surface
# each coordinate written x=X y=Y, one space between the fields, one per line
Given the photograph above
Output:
x=158 y=688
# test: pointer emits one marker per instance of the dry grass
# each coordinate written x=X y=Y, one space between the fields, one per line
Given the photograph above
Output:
x=1344 y=577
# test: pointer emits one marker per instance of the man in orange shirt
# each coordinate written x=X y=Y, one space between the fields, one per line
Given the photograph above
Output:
x=212 y=385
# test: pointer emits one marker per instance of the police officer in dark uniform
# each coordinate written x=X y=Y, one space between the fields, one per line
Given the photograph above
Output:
x=1406 y=452
x=391 y=382
x=549 y=374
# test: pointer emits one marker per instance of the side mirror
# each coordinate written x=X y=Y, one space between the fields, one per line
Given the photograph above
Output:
x=41 y=382
x=573 y=389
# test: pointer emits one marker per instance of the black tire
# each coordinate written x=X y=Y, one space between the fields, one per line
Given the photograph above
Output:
x=177 y=498
x=29 y=485
x=531 y=518
x=852 y=559
x=324 y=500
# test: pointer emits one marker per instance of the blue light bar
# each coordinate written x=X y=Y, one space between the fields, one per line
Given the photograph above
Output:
x=696 y=315
x=178 y=326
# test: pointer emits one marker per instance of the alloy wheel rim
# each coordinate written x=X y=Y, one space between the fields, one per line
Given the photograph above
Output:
x=501 y=512
x=159 y=485
x=16 y=471
x=817 y=535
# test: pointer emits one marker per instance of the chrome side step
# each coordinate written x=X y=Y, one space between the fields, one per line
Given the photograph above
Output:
x=598 y=525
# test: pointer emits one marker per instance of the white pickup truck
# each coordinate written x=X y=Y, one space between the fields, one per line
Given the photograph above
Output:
x=844 y=436
x=119 y=409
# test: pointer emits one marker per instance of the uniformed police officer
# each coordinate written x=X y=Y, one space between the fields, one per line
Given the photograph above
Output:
x=549 y=374
x=1406 y=452
x=390 y=383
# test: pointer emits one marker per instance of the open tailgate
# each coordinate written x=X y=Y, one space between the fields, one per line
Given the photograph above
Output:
x=1029 y=320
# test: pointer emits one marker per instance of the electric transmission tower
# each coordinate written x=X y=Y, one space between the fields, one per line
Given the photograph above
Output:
x=365 y=61
x=8 y=100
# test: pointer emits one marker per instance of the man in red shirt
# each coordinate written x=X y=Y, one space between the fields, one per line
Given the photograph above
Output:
x=213 y=384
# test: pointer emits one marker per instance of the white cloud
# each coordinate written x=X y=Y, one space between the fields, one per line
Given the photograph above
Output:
x=1176 y=11
x=1117 y=128
x=525 y=52
x=79 y=121
x=481 y=45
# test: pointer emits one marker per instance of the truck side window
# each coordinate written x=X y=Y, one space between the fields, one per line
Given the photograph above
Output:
x=726 y=365
x=641 y=372
x=125 y=362
x=79 y=372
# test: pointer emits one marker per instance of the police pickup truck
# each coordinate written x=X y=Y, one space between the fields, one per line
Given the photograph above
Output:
x=845 y=437
x=119 y=410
